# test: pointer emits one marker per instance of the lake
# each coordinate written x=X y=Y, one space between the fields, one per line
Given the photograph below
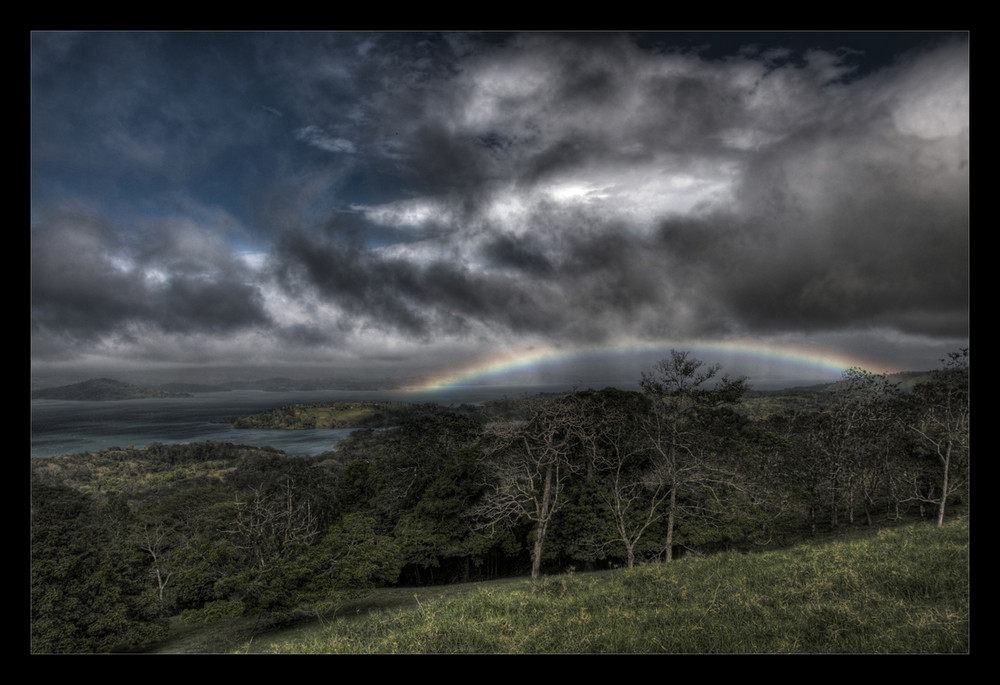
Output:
x=66 y=427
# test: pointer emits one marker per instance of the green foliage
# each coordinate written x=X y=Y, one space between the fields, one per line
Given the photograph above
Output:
x=583 y=531
x=216 y=610
x=352 y=559
x=87 y=587
x=274 y=560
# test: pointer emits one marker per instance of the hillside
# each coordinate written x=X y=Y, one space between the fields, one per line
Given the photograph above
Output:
x=102 y=389
x=192 y=387
x=903 y=590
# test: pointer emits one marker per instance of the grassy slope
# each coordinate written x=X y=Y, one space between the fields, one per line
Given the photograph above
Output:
x=347 y=414
x=904 y=590
x=324 y=415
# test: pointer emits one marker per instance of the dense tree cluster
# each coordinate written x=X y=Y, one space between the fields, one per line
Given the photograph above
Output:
x=123 y=538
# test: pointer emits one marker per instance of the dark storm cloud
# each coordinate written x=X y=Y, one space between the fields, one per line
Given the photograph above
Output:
x=396 y=295
x=600 y=280
x=402 y=189
x=87 y=282
x=74 y=286
x=506 y=251
x=366 y=290
x=856 y=223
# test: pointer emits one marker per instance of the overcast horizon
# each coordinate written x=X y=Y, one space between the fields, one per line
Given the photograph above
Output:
x=401 y=204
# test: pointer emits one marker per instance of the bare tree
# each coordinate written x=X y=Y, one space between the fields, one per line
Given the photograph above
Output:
x=153 y=541
x=864 y=437
x=940 y=420
x=621 y=457
x=267 y=522
x=529 y=464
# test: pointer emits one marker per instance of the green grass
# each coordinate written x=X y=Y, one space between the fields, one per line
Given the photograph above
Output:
x=321 y=415
x=904 y=590
x=338 y=414
x=893 y=591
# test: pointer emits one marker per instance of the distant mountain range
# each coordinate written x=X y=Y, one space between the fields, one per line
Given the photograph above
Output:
x=101 y=389
x=97 y=389
x=283 y=384
x=904 y=380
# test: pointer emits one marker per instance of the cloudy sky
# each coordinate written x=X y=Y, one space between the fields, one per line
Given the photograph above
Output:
x=404 y=203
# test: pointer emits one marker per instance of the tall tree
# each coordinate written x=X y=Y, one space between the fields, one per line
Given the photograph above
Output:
x=865 y=436
x=802 y=468
x=685 y=395
x=438 y=468
x=940 y=420
x=622 y=461
x=530 y=464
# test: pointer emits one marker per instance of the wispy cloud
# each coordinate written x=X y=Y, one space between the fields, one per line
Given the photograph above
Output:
x=317 y=137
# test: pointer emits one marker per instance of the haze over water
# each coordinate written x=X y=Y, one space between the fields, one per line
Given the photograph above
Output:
x=67 y=427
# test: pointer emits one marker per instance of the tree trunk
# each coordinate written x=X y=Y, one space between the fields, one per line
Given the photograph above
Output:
x=944 y=486
x=833 y=505
x=543 y=524
x=670 y=524
x=536 y=561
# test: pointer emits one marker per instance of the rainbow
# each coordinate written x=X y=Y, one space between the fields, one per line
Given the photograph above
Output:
x=808 y=361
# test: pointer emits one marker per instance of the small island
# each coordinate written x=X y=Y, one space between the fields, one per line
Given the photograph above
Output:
x=320 y=415
x=361 y=414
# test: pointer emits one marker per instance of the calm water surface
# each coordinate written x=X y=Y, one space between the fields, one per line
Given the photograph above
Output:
x=65 y=427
